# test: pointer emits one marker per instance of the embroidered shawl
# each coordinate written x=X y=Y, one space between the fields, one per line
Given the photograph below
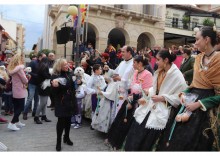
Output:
x=171 y=86
x=207 y=77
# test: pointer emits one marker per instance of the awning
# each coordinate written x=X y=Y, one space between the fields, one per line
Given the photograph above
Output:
x=169 y=36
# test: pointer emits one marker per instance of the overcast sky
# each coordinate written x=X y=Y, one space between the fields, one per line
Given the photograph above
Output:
x=31 y=16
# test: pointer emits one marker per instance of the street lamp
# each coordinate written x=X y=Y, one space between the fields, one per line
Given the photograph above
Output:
x=72 y=10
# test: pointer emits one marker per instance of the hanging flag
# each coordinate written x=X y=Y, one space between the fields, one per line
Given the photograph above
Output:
x=82 y=7
x=84 y=11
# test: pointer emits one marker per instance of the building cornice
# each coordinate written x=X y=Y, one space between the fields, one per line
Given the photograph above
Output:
x=127 y=13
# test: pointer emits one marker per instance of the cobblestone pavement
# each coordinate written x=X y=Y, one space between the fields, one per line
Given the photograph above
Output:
x=42 y=137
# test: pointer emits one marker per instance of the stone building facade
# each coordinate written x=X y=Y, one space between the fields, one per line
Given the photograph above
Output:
x=135 y=25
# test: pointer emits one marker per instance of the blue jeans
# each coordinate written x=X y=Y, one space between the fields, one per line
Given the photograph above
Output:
x=32 y=93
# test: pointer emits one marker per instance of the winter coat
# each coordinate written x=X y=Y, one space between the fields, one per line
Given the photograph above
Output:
x=34 y=68
x=42 y=76
x=19 y=80
x=187 y=69
x=64 y=96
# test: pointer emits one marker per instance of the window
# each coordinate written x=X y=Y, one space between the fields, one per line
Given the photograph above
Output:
x=147 y=9
x=153 y=10
x=175 y=22
x=121 y=6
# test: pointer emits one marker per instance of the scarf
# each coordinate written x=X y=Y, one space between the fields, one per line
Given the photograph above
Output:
x=207 y=77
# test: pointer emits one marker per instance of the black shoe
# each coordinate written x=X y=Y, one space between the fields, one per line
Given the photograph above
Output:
x=44 y=117
x=49 y=106
x=58 y=147
x=91 y=128
x=36 y=119
x=24 y=116
x=33 y=114
x=67 y=141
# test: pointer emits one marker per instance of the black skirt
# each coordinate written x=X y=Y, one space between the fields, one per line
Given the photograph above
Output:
x=140 y=138
x=119 y=128
x=189 y=136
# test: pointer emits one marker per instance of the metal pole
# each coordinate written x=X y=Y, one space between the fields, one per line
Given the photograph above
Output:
x=76 y=59
x=87 y=15
x=83 y=32
x=65 y=46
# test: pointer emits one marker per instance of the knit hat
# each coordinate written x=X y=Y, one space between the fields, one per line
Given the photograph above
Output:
x=87 y=52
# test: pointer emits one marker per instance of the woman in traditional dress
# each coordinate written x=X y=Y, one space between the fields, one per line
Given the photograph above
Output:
x=143 y=79
x=198 y=131
x=152 y=115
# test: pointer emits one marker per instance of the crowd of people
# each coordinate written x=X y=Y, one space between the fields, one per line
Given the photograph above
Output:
x=139 y=105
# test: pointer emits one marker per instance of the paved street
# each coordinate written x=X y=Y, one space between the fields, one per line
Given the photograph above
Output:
x=42 y=137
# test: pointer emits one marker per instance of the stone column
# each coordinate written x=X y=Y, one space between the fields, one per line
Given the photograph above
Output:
x=101 y=43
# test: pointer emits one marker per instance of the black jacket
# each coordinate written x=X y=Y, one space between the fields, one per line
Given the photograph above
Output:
x=42 y=76
x=187 y=69
x=34 y=67
x=64 y=96
x=51 y=63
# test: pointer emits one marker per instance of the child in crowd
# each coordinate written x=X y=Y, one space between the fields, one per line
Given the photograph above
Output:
x=80 y=94
x=105 y=111
x=96 y=83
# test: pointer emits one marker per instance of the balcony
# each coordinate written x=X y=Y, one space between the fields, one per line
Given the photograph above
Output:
x=178 y=24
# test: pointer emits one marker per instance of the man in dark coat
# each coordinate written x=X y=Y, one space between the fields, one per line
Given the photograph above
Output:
x=187 y=66
x=32 y=86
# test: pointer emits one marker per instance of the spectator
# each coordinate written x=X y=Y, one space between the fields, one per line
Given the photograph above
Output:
x=3 y=79
x=43 y=74
x=32 y=86
x=90 y=48
x=19 y=80
x=65 y=100
x=51 y=57
x=86 y=67
x=187 y=65
x=112 y=54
